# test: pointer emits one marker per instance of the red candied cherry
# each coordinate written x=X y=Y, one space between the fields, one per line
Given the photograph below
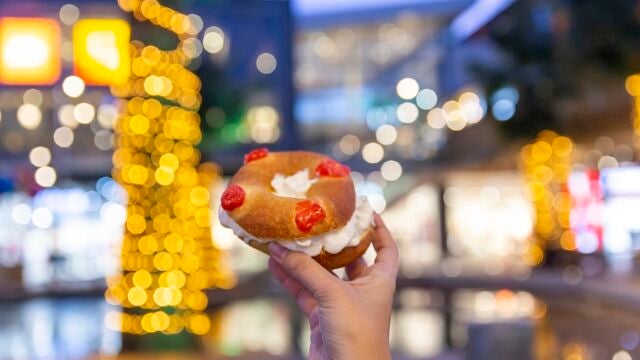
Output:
x=308 y=214
x=255 y=155
x=232 y=198
x=330 y=167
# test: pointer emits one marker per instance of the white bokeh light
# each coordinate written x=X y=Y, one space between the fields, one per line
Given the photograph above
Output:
x=29 y=116
x=40 y=156
x=45 y=176
x=407 y=88
x=372 y=153
x=391 y=170
x=407 y=112
x=386 y=134
x=73 y=86
x=42 y=218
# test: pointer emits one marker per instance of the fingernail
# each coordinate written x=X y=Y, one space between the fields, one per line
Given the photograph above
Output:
x=277 y=251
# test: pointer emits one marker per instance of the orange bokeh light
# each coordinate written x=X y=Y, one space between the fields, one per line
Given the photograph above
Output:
x=30 y=51
x=101 y=51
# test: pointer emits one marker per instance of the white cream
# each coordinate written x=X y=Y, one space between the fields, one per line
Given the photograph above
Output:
x=294 y=186
x=332 y=242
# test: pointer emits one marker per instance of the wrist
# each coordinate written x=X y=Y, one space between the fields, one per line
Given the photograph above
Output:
x=373 y=348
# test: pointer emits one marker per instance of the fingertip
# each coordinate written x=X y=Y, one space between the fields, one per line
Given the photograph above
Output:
x=378 y=223
x=277 y=251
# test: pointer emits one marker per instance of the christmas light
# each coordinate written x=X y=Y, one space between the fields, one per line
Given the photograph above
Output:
x=168 y=258
x=546 y=165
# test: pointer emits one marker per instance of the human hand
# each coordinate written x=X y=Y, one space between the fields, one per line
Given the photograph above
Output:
x=349 y=319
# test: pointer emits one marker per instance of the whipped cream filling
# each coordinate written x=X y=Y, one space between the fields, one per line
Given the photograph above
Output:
x=332 y=242
x=294 y=186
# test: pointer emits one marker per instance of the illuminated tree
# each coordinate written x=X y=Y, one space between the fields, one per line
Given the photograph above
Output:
x=167 y=257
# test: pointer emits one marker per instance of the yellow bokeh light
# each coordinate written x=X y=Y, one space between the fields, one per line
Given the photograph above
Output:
x=138 y=174
x=159 y=321
x=142 y=279
x=562 y=146
x=535 y=256
x=199 y=324
x=199 y=196
x=145 y=322
x=541 y=151
x=164 y=175
x=139 y=124
x=30 y=49
x=136 y=224
x=163 y=261
x=169 y=160
x=147 y=245
x=173 y=243
x=632 y=85
x=175 y=279
x=137 y=296
x=101 y=51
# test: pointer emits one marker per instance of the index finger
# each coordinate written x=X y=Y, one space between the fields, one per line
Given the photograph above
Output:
x=386 y=249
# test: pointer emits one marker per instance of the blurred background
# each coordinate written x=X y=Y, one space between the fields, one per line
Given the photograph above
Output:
x=496 y=137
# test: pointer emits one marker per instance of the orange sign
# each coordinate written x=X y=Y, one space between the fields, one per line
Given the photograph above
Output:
x=30 y=51
x=101 y=51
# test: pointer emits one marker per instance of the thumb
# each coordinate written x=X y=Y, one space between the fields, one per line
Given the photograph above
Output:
x=320 y=282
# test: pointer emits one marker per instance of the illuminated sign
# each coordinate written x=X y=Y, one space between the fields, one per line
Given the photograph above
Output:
x=101 y=51
x=30 y=49
x=586 y=210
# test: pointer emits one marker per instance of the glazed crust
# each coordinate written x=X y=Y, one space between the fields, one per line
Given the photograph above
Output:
x=267 y=216
x=332 y=261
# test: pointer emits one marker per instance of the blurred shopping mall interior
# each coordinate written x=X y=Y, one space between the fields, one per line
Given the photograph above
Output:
x=499 y=140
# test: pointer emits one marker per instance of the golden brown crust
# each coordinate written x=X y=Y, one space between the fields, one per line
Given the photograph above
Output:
x=265 y=215
x=328 y=260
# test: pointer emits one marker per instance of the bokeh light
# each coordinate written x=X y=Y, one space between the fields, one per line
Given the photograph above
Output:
x=407 y=88
x=349 y=144
x=63 y=137
x=29 y=116
x=391 y=170
x=69 y=14
x=426 y=99
x=503 y=109
x=40 y=156
x=437 y=118
x=372 y=153
x=73 y=86
x=33 y=96
x=42 y=217
x=407 y=112
x=386 y=134
x=266 y=63
x=213 y=40
x=84 y=113
x=45 y=176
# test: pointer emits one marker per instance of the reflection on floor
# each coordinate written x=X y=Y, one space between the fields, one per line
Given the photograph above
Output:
x=427 y=324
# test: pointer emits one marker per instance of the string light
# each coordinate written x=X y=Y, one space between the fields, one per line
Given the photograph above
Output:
x=547 y=165
x=167 y=256
x=633 y=88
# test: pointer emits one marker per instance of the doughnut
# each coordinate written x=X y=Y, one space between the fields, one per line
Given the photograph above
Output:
x=305 y=201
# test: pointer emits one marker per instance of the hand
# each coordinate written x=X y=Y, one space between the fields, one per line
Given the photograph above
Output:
x=348 y=319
